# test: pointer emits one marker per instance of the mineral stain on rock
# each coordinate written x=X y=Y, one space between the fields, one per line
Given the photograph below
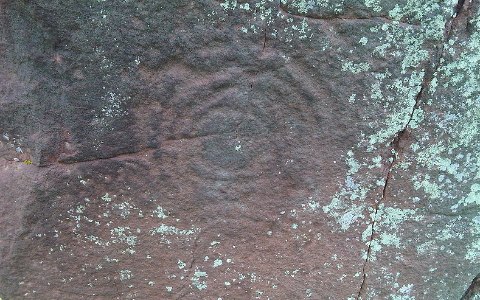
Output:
x=260 y=149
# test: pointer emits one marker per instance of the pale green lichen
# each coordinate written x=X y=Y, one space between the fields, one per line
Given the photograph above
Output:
x=430 y=188
x=407 y=90
x=387 y=222
x=123 y=235
x=98 y=216
x=311 y=205
x=198 y=279
x=345 y=216
x=403 y=293
x=229 y=4
x=245 y=6
x=114 y=108
x=352 y=98
x=214 y=243
x=160 y=213
x=389 y=239
x=125 y=275
x=124 y=208
x=399 y=42
x=460 y=123
x=423 y=248
x=267 y=12
x=348 y=212
x=164 y=229
x=355 y=68
x=437 y=157
x=392 y=217
x=417 y=118
x=217 y=263
x=106 y=198
x=181 y=264
x=374 y=4
x=376 y=163
x=448 y=232
x=473 y=249
x=473 y=197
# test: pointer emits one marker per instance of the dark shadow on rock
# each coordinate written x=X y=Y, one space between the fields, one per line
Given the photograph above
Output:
x=473 y=291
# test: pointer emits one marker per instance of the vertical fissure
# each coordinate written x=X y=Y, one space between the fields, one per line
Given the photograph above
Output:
x=374 y=220
x=396 y=144
x=181 y=294
x=264 y=38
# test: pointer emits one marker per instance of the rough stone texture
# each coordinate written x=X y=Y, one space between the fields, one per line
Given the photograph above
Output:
x=239 y=149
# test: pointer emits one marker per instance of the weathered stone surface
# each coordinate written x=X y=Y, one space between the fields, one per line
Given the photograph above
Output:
x=239 y=149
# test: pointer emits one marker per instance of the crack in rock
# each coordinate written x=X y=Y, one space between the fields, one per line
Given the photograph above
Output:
x=264 y=38
x=374 y=219
x=145 y=151
x=283 y=8
x=473 y=291
x=181 y=293
x=72 y=161
x=461 y=7
x=396 y=144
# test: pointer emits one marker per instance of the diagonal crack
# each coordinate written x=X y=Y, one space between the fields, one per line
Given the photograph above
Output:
x=374 y=220
x=396 y=144
x=473 y=291
x=181 y=293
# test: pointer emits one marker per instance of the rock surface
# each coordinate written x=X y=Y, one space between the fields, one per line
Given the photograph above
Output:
x=257 y=149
